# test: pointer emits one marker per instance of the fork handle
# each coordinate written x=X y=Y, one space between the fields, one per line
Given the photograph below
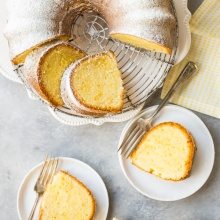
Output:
x=34 y=207
x=188 y=71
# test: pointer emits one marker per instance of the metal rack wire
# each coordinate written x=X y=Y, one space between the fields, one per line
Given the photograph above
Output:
x=143 y=72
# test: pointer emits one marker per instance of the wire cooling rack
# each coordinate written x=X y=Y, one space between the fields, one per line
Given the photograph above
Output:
x=143 y=72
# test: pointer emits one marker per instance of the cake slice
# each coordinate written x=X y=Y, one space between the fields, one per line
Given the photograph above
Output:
x=66 y=198
x=44 y=69
x=167 y=151
x=142 y=43
x=94 y=85
x=20 y=58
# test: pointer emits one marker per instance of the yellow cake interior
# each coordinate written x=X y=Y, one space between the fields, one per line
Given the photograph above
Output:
x=22 y=56
x=97 y=83
x=52 y=67
x=141 y=43
x=66 y=198
x=166 y=151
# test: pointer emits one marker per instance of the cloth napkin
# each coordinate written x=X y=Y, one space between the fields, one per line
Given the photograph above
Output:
x=202 y=92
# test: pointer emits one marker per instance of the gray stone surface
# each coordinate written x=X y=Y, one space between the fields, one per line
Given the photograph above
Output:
x=28 y=132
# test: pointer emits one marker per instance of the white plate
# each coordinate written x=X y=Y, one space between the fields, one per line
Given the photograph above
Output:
x=156 y=188
x=184 y=43
x=82 y=171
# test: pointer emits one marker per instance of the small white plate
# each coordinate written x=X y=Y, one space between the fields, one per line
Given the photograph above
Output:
x=156 y=188
x=82 y=171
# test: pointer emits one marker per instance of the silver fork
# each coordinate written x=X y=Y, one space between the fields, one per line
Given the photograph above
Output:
x=141 y=125
x=48 y=170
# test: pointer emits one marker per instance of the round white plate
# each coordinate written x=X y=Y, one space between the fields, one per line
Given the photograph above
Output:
x=184 y=42
x=156 y=188
x=82 y=171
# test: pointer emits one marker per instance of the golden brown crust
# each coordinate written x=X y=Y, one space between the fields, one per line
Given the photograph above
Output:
x=85 y=187
x=107 y=109
x=30 y=70
x=164 y=49
x=191 y=146
x=20 y=58
x=39 y=72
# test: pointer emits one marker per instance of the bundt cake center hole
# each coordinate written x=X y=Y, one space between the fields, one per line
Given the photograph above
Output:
x=91 y=32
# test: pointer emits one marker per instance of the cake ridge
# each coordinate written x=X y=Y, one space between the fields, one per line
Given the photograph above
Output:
x=32 y=23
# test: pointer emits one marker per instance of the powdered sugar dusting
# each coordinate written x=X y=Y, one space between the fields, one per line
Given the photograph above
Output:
x=31 y=22
x=153 y=20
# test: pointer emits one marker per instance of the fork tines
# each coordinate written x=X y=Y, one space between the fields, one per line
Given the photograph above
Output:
x=131 y=140
x=48 y=170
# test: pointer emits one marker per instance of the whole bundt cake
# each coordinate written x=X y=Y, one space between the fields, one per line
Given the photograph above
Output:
x=31 y=24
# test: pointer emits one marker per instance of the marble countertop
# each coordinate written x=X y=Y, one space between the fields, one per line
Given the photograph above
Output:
x=28 y=132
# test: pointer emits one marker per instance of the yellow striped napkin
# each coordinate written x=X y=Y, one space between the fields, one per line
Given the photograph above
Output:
x=202 y=92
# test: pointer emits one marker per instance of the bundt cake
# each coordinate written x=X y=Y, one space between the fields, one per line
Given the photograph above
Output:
x=66 y=198
x=43 y=69
x=93 y=85
x=167 y=151
x=147 y=24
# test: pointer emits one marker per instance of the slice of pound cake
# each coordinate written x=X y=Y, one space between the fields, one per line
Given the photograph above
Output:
x=66 y=198
x=44 y=68
x=166 y=150
x=93 y=85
